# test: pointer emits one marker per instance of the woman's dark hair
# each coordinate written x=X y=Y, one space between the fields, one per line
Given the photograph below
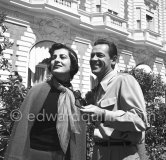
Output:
x=112 y=47
x=72 y=54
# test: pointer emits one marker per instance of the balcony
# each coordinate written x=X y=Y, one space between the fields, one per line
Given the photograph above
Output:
x=110 y=22
x=73 y=4
x=63 y=2
x=67 y=3
x=68 y=9
x=147 y=37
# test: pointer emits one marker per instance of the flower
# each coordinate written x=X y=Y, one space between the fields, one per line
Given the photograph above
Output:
x=79 y=101
x=90 y=99
x=90 y=96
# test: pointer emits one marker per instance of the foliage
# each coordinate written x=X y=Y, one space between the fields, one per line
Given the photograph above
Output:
x=12 y=91
x=152 y=85
x=4 y=44
x=153 y=89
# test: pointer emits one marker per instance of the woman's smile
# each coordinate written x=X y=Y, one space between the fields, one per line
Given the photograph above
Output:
x=60 y=64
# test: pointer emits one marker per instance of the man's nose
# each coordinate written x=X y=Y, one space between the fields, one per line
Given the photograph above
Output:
x=94 y=58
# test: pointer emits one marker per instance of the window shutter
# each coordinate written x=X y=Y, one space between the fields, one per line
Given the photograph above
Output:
x=41 y=73
x=138 y=13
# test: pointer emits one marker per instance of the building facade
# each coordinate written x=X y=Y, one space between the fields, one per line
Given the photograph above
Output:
x=137 y=27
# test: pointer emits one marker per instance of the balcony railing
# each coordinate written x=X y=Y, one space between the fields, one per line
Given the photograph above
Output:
x=115 y=21
x=63 y=2
x=147 y=35
x=152 y=36
x=67 y=3
x=108 y=19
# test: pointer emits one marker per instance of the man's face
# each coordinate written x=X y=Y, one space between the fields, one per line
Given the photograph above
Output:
x=100 y=61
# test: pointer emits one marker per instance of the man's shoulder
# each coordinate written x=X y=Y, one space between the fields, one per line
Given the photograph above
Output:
x=121 y=78
x=124 y=76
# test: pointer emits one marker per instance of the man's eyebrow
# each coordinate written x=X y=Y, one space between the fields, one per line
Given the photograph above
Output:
x=97 y=52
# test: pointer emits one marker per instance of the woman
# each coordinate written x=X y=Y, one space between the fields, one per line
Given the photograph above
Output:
x=47 y=128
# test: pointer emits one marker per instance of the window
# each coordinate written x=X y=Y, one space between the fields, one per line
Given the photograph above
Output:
x=138 y=17
x=98 y=5
x=98 y=8
x=150 y=23
x=82 y=4
x=138 y=24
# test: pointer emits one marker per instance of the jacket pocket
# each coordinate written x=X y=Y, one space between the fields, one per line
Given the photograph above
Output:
x=108 y=102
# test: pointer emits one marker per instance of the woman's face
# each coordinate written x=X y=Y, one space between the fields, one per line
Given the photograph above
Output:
x=60 y=64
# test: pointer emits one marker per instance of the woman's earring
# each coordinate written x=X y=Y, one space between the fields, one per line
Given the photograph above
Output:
x=48 y=77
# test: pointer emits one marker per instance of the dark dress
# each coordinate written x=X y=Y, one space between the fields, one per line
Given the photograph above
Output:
x=44 y=140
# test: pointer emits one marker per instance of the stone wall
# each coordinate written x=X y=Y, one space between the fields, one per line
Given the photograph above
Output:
x=27 y=29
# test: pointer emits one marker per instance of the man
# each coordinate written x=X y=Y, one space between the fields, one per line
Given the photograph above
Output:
x=118 y=110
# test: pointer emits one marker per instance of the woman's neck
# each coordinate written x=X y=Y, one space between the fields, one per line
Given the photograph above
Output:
x=65 y=81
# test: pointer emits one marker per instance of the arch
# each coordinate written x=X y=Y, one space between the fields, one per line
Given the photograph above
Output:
x=37 y=54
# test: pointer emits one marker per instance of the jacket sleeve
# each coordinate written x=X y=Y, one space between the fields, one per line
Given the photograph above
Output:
x=131 y=114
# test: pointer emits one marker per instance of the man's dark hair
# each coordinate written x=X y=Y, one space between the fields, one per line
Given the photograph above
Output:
x=72 y=54
x=112 y=47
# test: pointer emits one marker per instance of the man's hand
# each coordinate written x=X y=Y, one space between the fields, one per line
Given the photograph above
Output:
x=95 y=112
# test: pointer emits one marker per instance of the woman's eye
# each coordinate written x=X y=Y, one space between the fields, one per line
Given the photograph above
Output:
x=54 y=57
x=60 y=56
x=63 y=56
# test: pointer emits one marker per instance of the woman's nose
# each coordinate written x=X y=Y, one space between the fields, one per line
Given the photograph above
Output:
x=58 y=59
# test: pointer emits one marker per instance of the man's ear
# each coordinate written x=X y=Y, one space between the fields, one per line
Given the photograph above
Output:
x=114 y=59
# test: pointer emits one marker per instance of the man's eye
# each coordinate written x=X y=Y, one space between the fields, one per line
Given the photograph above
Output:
x=100 y=55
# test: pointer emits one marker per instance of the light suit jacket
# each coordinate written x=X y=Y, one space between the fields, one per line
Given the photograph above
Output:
x=125 y=117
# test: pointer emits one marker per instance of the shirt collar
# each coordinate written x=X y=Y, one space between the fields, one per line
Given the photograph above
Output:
x=107 y=78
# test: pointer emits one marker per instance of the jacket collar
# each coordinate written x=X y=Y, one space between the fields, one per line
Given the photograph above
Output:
x=104 y=82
